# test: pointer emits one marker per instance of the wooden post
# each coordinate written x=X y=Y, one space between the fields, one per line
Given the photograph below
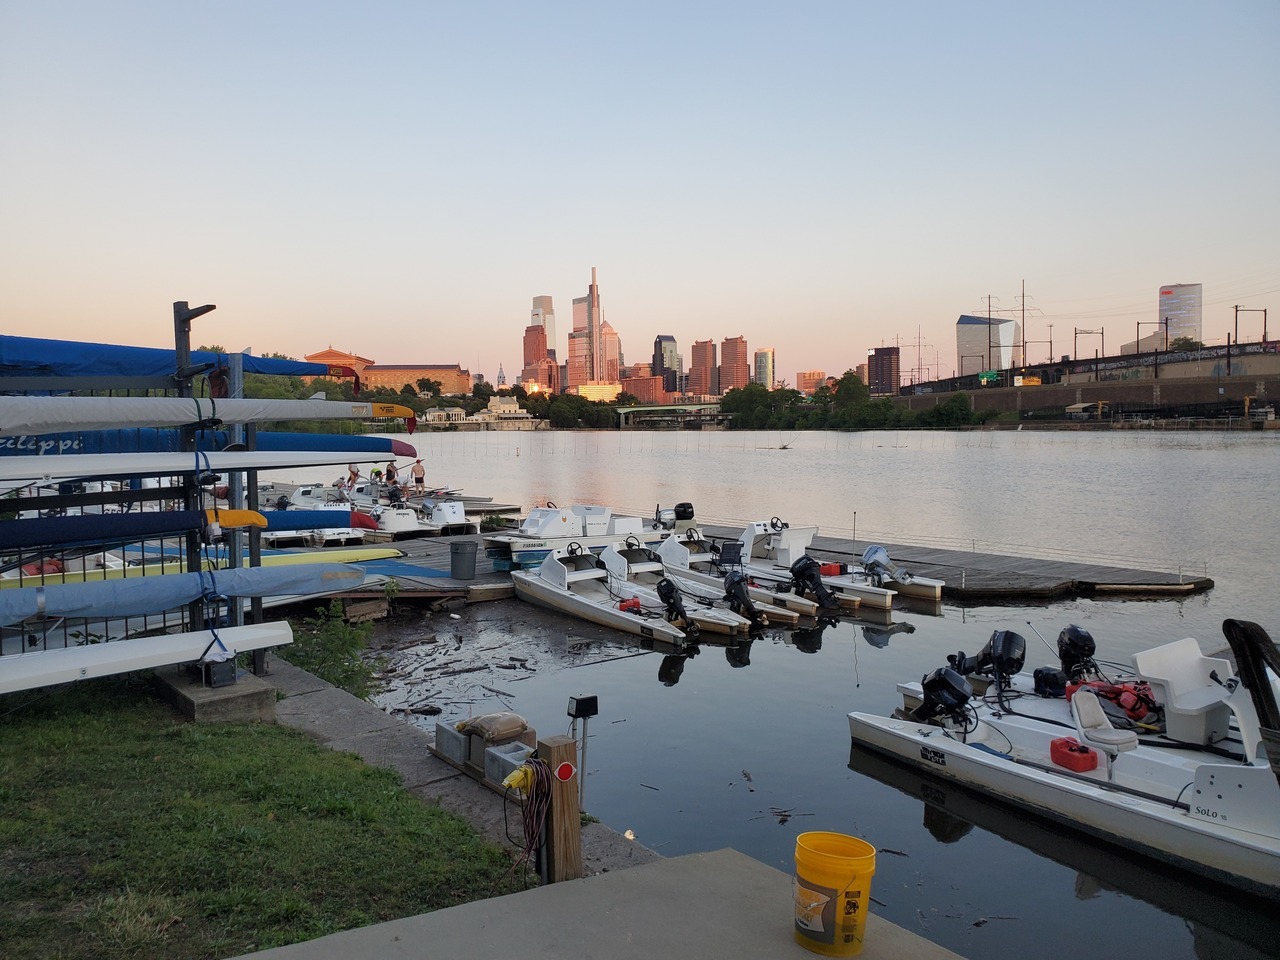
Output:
x=564 y=825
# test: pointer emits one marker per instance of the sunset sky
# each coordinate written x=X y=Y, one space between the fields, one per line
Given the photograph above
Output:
x=399 y=180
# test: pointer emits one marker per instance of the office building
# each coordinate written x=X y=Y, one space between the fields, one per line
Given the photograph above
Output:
x=735 y=365
x=703 y=373
x=667 y=362
x=543 y=315
x=763 y=373
x=586 y=360
x=983 y=343
x=884 y=371
x=1181 y=313
x=610 y=353
x=807 y=381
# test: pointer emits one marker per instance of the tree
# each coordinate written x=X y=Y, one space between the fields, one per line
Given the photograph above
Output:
x=1185 y=343
x=483 y=391
x=429 y=387
x=625 y=399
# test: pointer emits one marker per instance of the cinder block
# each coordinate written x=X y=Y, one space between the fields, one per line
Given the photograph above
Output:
x=500 y=761
x=452 y=744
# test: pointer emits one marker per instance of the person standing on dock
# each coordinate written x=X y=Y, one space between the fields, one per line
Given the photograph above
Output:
x=419 y=478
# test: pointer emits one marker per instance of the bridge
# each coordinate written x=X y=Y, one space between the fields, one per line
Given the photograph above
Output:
x=672 y=416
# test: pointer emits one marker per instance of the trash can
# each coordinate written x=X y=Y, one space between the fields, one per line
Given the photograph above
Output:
x=462 y=559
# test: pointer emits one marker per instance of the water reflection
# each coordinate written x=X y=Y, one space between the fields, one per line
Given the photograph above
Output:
x=1224 y=923
x=879 y=636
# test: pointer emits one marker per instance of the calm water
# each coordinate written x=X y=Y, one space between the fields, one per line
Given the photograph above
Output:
x=749 y=756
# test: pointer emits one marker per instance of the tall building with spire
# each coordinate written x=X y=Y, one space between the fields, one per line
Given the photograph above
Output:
x=586 y=359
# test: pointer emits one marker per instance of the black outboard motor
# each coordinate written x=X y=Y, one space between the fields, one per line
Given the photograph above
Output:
x=1075 y=650
x=283 y=502
x=946 y=694
x=394 y=496
x=735 y=592
x=669 y=594
x=1002 y=657
x=806 y=573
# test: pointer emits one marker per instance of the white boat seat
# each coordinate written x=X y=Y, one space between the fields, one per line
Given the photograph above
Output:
x=1095 y=730
x=1195 y=707
x=647 y=566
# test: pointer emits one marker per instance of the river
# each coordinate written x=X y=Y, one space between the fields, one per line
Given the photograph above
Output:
x=749 y=755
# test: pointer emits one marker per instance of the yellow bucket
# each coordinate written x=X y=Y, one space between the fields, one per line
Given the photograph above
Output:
x=832 y=886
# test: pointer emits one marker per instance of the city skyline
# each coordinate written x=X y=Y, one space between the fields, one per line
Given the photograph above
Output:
x=827 y=179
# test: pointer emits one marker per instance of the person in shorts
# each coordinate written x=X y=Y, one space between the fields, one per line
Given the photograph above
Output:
x=419 y=477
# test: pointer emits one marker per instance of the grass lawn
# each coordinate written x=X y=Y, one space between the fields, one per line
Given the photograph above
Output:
x=126 y=831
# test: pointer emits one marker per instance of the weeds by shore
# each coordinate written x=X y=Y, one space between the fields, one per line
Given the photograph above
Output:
x=127 y=832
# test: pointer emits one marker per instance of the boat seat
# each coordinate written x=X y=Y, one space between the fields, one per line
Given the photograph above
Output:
x=1195 y=705
x=1095 y=730
x=646 y=566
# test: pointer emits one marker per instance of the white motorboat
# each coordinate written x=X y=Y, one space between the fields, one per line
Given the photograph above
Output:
x=694 y=563
x=551 y=528
x=637 y=571
x=575 y=581
x=775 y=553
x=313 y=497
x=881 y=570
x=1177 y=761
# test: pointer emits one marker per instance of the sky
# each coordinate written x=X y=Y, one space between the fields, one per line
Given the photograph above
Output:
x=399 y=180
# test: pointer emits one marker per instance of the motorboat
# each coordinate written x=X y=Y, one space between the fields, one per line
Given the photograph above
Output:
x=311 y=497
x=695 y=564
x=776 y=553
x=1175 y=759
x=575 y=581
x=880 y=569
x=637 y=571
x=550 y=528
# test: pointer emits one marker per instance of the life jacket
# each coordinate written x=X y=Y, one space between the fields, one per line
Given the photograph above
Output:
x=1130 y=702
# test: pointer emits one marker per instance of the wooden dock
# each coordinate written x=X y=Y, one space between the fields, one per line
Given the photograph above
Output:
x=970 y=577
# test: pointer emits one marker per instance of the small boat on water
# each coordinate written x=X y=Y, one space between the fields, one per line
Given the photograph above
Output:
x=575 y=581
x=773 y=552
x=551 y=528
x=637 y=571
x=695 y=564
x=1176 y=759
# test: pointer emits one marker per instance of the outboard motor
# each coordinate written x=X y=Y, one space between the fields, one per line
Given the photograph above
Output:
x=283 y=502
x=1075 y=650
x=878 y=566
x=946 y=694
x=807 y=575
x=394 y=496
x=1002 y=657
x=669 y=594
x=735 y=591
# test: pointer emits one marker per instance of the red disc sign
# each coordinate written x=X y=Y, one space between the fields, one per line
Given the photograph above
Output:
x=565 y=772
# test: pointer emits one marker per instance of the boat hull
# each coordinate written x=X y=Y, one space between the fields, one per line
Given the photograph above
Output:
x=601 y=609
x=1147 y=825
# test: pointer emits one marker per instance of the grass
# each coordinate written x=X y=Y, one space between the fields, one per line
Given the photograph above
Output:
x=127 y=832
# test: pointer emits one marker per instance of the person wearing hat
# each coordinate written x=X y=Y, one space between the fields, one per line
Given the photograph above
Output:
x=419 y=477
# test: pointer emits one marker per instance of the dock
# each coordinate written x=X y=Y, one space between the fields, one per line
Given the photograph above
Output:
x=970 y=576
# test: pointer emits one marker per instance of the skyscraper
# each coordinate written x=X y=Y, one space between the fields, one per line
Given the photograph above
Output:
x=764 y=368
x=610 y=353
x=702 y=369
x=1181 y=311
x=535 y=344
x=544 y=316
x=735 y=368
x=586 y=361
x=666 y=361
x=884 y=370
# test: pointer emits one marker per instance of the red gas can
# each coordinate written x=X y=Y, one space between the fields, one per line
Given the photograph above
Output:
x=1071 y=753
x=631 y=604
x=831 y=569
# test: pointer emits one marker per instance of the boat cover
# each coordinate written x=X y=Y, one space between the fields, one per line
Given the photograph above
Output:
x=142 y=595
x=26 y=415
x=319 y=520
x=37 y=357
x=97 y=528
x=169 y=440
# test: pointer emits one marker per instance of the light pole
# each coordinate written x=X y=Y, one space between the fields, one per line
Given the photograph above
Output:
x=1239 y=310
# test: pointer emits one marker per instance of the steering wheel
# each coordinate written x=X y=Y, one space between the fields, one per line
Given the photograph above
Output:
x=776 y=524
x=551 y=506
x=691 y=534
x=631 y=543
x=573 y=549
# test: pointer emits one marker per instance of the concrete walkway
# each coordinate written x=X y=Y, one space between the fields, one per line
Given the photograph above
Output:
x=709 y=905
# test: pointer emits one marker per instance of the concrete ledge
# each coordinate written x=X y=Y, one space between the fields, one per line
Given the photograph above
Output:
x=248 y=700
